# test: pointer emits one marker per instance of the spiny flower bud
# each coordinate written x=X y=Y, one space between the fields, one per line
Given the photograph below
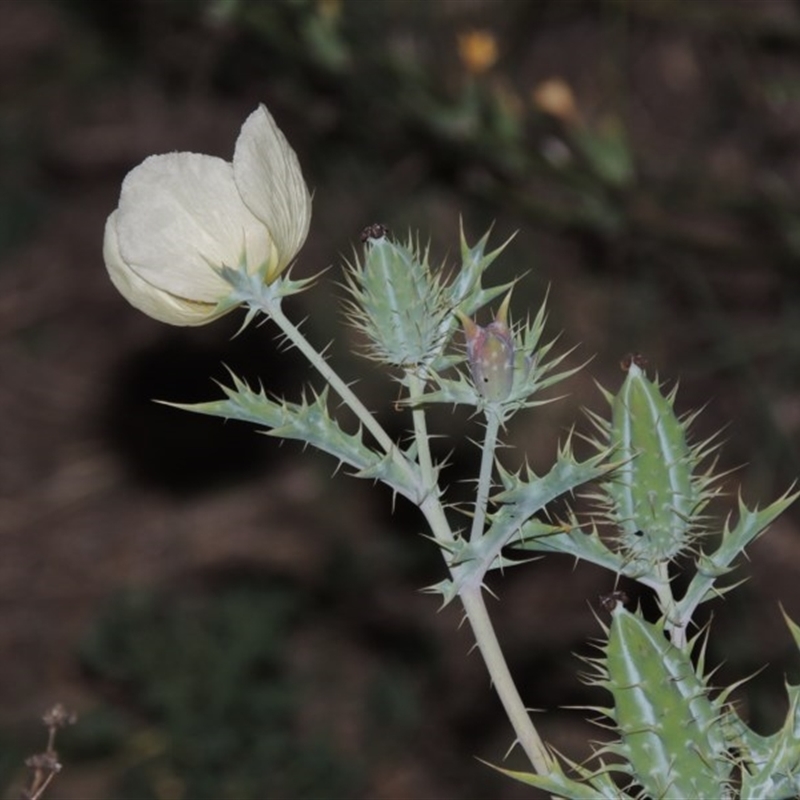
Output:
x=490 y=353
x=398 y=301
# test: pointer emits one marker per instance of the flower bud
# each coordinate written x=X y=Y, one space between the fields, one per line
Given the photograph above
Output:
x=398 y=301
x=183 y=216
x=490 y=353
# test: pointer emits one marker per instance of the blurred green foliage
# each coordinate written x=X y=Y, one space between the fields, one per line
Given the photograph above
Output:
x=212 y=702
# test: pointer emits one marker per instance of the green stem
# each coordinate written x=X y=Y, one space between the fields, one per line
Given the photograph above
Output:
x=430 y=504
x=486 y=639
x=485 y=474
x=293 y=334
x=424 y=477
x=675 y=626
x=416 y=388
x=472 y=595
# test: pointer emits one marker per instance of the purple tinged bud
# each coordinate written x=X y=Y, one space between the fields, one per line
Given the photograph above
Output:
x=490 y=352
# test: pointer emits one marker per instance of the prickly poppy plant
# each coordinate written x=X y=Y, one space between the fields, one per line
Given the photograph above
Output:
x=223 y=237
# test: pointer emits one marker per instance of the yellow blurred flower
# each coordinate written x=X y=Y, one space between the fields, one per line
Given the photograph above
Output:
x=477 y=51
x=556 y=98
x=330 y=9
x=181 y=215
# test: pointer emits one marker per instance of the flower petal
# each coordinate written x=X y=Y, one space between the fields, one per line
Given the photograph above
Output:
x=154 y=302
x=271 y=183
x=178 y=215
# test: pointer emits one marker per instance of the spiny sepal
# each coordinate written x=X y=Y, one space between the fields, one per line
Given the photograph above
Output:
x=400 y=304
x=509 y=366
x=656 y=497
x=252 y=290
x=671 y=736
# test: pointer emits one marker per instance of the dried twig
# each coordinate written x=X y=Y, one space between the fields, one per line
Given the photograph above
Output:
x=45 y=766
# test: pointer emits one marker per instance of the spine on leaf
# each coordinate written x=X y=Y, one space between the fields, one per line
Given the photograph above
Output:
x=671 y=737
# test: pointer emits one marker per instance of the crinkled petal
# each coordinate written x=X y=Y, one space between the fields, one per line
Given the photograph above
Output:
x=271 y=183
x=154 y=302
x=179 y=214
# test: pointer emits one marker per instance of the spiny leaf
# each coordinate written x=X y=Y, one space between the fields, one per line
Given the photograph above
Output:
x=597 y=786
x=778 y=775
x=750 y=525
x=309 y=422
x=446 y=588
x=571 y=541
x=521 y=499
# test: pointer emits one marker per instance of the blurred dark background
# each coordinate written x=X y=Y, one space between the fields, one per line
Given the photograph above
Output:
x=229 y=618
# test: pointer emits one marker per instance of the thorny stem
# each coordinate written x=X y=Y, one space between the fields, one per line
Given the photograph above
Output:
x=486 y=639
x=431 y=506
x=675 y=626
x=426 y=482
x=294 y=335
x=472 y=595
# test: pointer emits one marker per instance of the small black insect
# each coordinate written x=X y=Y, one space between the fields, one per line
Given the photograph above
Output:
x=633 y=358
x=610 y=601
x=375 y=231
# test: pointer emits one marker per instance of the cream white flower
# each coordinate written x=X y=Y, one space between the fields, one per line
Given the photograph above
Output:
x=180 y=215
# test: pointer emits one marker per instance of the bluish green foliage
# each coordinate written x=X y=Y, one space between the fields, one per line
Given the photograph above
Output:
x=405 y=308
x=673 y=735
x=308 y=422
x=671 y=741
x=676 y=736
x=656 y=497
